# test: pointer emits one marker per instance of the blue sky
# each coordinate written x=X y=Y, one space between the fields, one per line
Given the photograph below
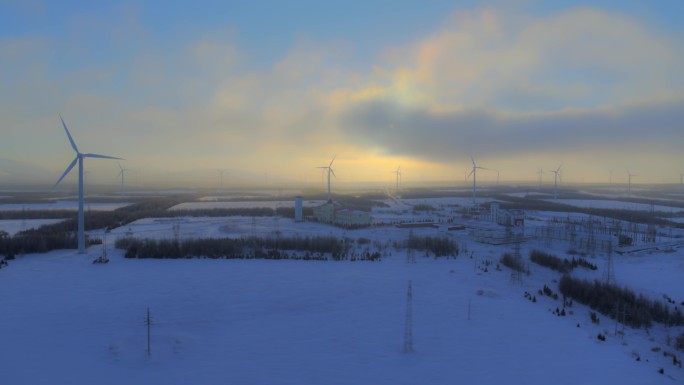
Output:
x=280 y=87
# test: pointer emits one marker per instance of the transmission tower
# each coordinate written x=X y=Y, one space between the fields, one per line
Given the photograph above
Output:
x=408 y=330
x=609 y=275
x=148 y=323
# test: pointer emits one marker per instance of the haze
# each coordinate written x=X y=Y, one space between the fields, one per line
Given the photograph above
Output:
x=271 y=90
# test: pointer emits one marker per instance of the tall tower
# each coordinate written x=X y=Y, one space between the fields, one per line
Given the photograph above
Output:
x=408 y=330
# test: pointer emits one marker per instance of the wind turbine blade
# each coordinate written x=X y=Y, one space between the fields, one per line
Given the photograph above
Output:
x=71 y=140
x=121 y=168
x=333 y=159
x=471 y=173
x=66 y=171
x=472 y=160
x=333 y=172
x=101 y=156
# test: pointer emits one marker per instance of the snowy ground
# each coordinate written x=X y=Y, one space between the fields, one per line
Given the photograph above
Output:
x=67 y=321
x=207 y=205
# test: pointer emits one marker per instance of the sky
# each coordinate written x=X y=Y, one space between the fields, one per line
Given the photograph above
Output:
x=270 y=90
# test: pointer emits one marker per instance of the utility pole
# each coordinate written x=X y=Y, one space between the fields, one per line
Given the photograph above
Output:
x=148 y=322
x=408 y=330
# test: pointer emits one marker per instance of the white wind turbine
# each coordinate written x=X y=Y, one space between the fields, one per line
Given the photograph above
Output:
x=398 y=173
x=473 y=172
x=79 y=158
x=556 y=177
x=121 y=174
x=330 y=171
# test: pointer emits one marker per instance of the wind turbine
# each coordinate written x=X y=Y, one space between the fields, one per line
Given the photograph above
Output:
x=79 y=158
x=474 y=174
x=330 y=171
x=221 y=172
x=398 y=172
x=629 y=182
x=556 y=176
x=540 y=173
x=498 y=173
x=121 y=174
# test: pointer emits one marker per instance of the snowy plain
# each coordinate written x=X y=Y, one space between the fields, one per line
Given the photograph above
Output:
x=68 y=321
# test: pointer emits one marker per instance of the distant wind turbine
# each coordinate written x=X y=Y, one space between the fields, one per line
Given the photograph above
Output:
x=498 y=173
x=540 y=173
x=556 y=177
x=121 y=174
x=398 y=173
x=473 y=172
x=79 y=158
x=629 y=182
x=221 y=172
x=330 y=171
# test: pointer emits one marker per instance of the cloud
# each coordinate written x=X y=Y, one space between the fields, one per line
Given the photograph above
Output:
x=451 y=136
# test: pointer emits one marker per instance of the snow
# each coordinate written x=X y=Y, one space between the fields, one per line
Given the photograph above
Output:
x=13 y=226
x=61 y=205
x=66 y=320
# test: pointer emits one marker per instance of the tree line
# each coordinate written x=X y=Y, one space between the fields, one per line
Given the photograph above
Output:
x=619 y=302
x=562 y=265
x=304 y=248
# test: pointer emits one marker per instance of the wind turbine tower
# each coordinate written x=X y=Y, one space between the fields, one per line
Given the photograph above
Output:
x=79 y=158
x=121 y=174
x=398 y=173
x=330 y=171
x=473 y=172
x=221 y=172
x=540 y=173
x=556 y=176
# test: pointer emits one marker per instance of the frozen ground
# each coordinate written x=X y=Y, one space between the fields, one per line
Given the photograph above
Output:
x=67 y=321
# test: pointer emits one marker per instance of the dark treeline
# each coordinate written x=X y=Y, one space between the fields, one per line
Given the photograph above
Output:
x=614 y=301
x=562 y=265
x=440 y=247
x=34 y=241
x=304 y=248
x=514 y=262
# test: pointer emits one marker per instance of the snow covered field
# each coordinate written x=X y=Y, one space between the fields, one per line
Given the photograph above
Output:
x=295 y=322
x=68 y=321
x=207 y=205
